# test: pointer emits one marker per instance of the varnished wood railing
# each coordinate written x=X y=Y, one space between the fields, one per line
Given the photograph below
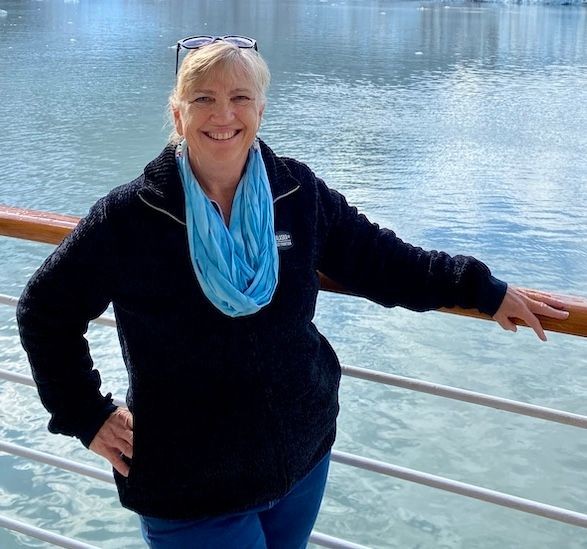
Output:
x=51 y=228
x=45 y=227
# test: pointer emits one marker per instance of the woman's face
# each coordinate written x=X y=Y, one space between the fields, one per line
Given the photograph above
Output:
x=219 y=119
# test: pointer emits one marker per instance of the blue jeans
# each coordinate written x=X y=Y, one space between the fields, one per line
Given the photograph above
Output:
x=282 y=524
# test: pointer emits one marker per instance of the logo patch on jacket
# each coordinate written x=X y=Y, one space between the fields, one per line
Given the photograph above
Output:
x=283 y=240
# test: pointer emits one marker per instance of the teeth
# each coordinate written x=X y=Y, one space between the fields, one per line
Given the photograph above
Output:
x=222 y=136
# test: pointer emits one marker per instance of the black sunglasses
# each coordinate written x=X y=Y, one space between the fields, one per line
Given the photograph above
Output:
x=195 y=42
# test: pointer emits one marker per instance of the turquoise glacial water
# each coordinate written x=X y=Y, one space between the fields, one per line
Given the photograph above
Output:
x=462 y=126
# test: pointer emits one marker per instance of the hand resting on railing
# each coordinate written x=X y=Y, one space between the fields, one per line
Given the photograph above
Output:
x=525 y=305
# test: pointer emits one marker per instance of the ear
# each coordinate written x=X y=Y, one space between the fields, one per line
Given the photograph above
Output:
x=177 y=120
x=261 y=111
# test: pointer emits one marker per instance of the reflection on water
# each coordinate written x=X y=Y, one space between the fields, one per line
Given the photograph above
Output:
x=459 y=125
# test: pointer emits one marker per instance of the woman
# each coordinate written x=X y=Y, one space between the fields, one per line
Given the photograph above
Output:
x=210 y=260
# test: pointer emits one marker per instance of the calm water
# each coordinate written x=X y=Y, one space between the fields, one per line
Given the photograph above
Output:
x=462 y=126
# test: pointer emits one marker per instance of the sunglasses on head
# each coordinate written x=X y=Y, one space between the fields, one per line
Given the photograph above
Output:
x=195 y=42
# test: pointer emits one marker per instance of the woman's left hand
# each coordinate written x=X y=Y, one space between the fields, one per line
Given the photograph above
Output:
x=525 y=305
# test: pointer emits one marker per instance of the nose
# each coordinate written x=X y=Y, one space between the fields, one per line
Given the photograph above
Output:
x=223 y=111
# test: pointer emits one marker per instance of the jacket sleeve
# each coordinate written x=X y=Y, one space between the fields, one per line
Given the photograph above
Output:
x=71 y=288
x=374 y=263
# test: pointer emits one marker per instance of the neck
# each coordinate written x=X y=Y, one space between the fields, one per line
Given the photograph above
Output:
x=220 y=180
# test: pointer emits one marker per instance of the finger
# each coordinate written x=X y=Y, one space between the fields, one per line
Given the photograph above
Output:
x=128 y=424
x=553 y=302
x=125 y=448
x=126 y=417
x=541 y=308
x=532 y=321
x=507 y=324
x=126 y=435
x=121 y=427
x=546 y=298
x=119 y=464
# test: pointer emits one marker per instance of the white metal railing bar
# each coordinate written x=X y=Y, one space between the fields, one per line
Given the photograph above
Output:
x=61 y=541
x=105 y=476
x=44 y=535
x=8 y=300
x=56 y=461
x=375 y=466
x=445 y=391
x=30 y=382
x=334 y=543
x=522 y=408
x=463 y=489
x=531 y=410
x=104 y=320
x=17 y=378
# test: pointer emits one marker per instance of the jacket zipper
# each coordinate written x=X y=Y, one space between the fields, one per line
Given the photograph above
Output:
x=284 y=195
x=183 y=223
x=161 y=210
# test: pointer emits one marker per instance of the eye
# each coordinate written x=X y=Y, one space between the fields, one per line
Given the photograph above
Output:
x=241 y=99
x=203 y=100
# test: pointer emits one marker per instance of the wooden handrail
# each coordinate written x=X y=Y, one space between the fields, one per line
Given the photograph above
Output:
x=575 y=324
x=47 y=227
x=53 y=228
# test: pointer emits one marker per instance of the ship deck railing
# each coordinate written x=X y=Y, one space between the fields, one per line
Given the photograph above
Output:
x=52 y=228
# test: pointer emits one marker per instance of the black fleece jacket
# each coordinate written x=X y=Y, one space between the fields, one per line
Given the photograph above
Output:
x=228 y=413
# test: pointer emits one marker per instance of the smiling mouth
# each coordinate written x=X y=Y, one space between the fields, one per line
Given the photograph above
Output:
x=222 y=136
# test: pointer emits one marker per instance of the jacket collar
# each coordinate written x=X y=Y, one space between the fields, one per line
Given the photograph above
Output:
x=162 y=188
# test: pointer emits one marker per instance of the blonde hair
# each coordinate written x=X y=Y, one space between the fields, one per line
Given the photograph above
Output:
x=218 y=57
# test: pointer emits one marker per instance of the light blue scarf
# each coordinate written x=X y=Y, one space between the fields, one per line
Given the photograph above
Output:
x=236 y=266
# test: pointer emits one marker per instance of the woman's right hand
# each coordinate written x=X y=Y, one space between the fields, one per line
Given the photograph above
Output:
x=115 y=439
